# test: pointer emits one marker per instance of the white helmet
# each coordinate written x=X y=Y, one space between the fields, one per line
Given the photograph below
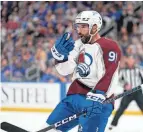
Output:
x=90 y=18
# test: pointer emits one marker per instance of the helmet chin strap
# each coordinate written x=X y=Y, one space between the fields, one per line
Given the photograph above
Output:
x=91 y=35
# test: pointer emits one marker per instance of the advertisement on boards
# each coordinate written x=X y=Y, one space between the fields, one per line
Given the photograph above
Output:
x=29 y=96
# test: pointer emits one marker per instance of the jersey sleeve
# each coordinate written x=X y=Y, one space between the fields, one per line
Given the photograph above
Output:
x=110 y=55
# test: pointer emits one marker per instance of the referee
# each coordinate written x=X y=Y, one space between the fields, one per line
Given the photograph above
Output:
x=129 y=77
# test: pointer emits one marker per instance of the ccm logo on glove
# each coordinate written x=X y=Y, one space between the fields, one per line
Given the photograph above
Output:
x=63 y=46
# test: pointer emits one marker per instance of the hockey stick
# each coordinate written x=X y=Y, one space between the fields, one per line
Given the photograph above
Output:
x=12 y=128
x=75 y=116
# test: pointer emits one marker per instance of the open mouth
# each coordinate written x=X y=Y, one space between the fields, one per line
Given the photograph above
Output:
x=81 y=36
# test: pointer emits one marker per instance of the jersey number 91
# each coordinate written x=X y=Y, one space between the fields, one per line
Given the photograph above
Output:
x=112 y=56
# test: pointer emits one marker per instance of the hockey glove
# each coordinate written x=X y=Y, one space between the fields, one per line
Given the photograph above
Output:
x=94 y=103
x=62 y=47
x=83 y=69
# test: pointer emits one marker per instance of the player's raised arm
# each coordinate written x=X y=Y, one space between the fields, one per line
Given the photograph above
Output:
x=63 y=52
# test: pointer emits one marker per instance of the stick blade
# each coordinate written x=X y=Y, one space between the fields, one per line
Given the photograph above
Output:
x=11 y=128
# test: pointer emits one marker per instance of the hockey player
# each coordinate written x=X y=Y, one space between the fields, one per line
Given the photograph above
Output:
x=93 y=61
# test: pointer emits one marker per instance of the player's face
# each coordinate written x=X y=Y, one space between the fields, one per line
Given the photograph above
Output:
x=83 y=32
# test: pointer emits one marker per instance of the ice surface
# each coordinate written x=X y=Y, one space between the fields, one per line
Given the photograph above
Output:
x=34 y=121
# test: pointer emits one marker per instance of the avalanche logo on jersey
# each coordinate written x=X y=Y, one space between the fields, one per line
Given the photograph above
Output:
x=85 y=58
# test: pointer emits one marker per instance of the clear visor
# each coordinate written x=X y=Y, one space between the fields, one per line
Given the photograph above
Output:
x=77 y=26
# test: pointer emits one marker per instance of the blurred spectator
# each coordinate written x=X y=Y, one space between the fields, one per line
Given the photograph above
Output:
x=27 y=59
x=18 y=71
x=48 y=77
x=41 y=57
x=5 y=70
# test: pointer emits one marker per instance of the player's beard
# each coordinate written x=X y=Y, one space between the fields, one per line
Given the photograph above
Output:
x=85 y=39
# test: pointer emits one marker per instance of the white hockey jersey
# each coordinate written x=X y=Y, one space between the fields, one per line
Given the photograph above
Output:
x=103 y=57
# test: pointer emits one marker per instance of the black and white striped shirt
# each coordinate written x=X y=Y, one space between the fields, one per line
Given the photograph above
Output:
x=133 y=76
